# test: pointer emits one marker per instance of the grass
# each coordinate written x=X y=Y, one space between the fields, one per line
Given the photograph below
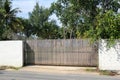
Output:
x=91 y=70
x=106 y=72
x=9 y=67
x=102 y=72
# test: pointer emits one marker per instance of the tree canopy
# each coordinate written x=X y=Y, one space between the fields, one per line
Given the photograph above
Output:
x=82 y=17
x=9 y=23
x=107 y=26
x=95 y=19
x=42 y=26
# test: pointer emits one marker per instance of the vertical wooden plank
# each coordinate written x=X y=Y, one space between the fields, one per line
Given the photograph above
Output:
x=60 y=52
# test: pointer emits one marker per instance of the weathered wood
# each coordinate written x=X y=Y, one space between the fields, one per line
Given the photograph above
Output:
x=74 y=52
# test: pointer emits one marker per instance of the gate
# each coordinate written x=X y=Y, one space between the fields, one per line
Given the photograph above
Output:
x=67 y=52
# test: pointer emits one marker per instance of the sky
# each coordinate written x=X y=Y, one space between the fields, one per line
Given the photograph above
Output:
x=27 y=5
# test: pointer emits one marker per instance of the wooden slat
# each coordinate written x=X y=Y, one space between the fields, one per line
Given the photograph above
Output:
x=75 y=52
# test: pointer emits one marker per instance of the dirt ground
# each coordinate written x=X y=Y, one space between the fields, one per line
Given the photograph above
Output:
x=60 y=69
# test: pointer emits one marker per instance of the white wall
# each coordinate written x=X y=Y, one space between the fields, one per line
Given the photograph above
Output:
x=11 y=53
x=109 y=59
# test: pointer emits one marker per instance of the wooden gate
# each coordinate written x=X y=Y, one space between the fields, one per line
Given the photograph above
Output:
x=67 y=52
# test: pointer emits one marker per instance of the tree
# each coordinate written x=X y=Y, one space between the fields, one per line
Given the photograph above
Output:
x=50 y=30
x=1 y=18
x=79 y=16
x=38 y=17
x=41 y=25
x=113 y=5
x=11 y=24
x=1 y=23
x=107 y=26
x=27 y=31
x=1 y=3
x=73 y=14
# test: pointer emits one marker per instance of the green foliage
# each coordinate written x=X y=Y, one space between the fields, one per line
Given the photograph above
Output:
x=106 y=27
x=67 y=14
x=27 y=31
x=9 y=23
x=41 y=25
x=95 y=19
x=38 y=17
x=1 y=3
x=1 y=18
x=50 y=30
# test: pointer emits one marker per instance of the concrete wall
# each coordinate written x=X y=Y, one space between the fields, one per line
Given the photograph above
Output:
x=109 y=58
x=11 y=53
